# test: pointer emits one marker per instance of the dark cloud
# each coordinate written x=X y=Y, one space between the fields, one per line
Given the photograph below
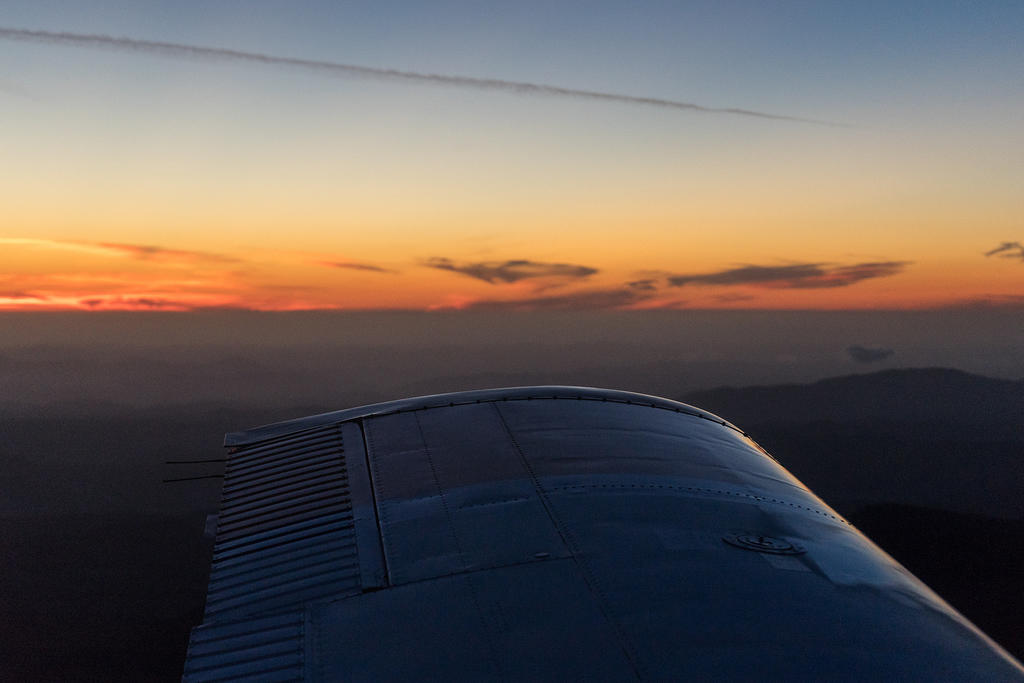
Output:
x=136 y=302
x=292 y=288
x=844 y=276
x=146 y=251
x=216 y=54
x=602 y=299
x=733 y=297
x=22 y=295
x=793 y=276
x=867 y=354
x=1008 y=250
x=511 y=271
x=349 y=265
x=643 y=285
x=749 y=275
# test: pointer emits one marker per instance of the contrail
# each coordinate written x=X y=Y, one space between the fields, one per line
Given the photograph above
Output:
x=339 y=69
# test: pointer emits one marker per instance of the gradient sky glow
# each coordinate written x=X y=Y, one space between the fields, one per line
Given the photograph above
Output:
x=136 y=181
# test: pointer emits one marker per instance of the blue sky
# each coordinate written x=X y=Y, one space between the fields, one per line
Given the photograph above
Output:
x=755 y=51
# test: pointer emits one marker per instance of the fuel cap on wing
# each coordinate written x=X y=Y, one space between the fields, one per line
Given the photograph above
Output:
x=764 y=544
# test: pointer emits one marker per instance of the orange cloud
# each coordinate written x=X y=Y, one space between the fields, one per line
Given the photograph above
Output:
x=139 y=251
x=351 y=265
x=82 y=247
x=148 y=252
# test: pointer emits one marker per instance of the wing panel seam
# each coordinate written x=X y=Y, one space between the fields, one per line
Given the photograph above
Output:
x=566 y=535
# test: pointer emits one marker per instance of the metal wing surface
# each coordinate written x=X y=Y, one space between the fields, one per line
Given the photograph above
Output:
x=551 y=533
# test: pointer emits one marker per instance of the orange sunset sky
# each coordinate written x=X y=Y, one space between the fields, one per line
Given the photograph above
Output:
x=139 y=180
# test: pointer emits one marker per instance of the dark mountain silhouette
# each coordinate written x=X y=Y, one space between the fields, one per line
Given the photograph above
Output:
x=908 y=395
x=931 y=437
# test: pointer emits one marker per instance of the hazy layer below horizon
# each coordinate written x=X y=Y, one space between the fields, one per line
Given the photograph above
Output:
x=88 y=363
x=94 y=404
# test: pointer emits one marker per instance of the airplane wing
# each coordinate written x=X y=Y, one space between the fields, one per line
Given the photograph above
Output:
x=552 y=533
